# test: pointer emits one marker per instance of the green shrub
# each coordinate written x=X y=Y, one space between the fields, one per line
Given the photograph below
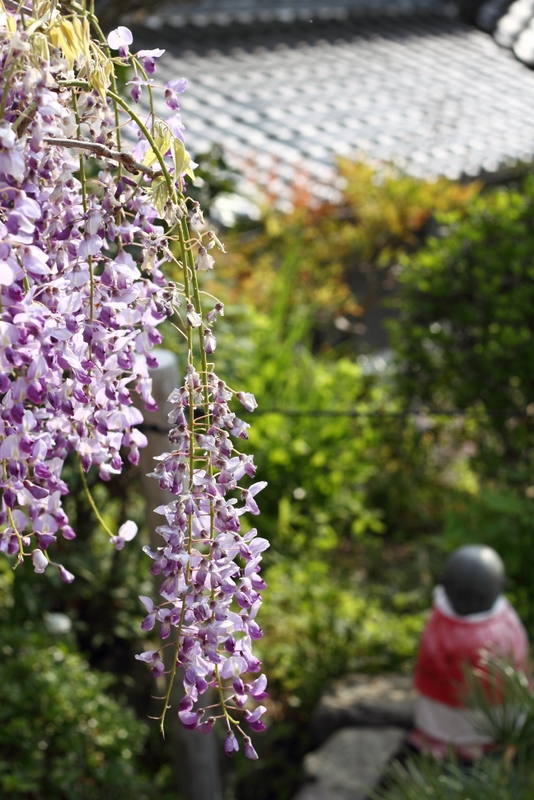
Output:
x=319 y=626
x=327 y=262
x=463 y=342
x=62 y=737
x=464 y=336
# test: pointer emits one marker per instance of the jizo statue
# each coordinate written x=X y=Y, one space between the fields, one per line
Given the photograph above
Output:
x=470 y=617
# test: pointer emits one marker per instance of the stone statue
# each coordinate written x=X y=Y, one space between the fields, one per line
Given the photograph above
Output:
x=470 y=617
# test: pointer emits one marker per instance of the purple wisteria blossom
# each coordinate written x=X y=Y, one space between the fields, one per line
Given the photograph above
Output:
x=203 y=261
x=120 y=39
x=126 y=533
x=136 y=83
x=209 y=569
x=78 y=316
x=82 y=294
x=172 y=90
x=147 y=57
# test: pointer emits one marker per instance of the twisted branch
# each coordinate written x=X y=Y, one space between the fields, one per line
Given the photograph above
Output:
x=126 y=159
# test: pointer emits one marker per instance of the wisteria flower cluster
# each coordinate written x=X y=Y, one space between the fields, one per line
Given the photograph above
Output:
x=210 y=571
x=89 y=217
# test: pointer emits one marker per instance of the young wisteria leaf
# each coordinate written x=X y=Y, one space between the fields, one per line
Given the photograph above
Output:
x=98 y=70
x=65 y=36
x=44 y=9
x=159 y=195
x=100 y=77
x=6 y=20
x=39 y=45
x=180 y=156
x=81 y=26
x=189 y=171
x=41 y=8
x=162 y=139
x=43 y=16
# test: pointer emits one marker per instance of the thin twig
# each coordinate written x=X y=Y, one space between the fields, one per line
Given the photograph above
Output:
x=16 y=6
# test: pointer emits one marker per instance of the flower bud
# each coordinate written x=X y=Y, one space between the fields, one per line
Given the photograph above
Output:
x=40 y=561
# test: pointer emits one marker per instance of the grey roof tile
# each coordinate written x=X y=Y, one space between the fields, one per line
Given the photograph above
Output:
x=431 y=93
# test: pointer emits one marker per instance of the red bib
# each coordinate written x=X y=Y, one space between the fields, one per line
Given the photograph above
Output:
x=450 y=643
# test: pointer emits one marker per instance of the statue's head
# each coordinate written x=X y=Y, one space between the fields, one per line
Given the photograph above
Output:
x=473 y=578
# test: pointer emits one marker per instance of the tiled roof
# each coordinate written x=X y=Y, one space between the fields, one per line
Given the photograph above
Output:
x=428 y=92
x=226 y=12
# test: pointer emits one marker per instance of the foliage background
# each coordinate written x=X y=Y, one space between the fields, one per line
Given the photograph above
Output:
x=374 y=474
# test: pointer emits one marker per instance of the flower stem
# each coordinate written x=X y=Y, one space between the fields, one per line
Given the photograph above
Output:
x=21 y=554
x=92 y=502
x=173 y=672
x=84 y=204
x=150 y=139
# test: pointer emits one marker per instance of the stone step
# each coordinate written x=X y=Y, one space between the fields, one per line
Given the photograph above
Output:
x=350 y=763
x=361 y=700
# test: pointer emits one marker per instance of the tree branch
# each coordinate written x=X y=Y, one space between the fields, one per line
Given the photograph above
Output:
x=126 y=159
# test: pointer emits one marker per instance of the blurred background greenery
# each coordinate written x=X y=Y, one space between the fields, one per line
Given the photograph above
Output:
x=387 y=341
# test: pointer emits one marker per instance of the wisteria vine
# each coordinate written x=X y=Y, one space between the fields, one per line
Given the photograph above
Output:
x=92 y=209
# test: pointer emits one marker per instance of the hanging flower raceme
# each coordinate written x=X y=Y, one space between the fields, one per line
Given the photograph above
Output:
x=87 y=224
x=209 y=569
x=78 y=317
